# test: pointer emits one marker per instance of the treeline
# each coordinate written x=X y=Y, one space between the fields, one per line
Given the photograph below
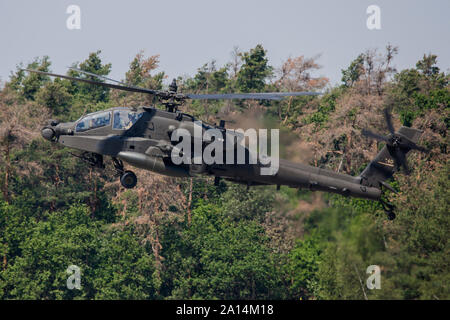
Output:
x=187 y=239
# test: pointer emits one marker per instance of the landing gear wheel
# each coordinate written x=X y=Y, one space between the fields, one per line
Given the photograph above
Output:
x=128 y=179
x=391 y=215
x=389 y=209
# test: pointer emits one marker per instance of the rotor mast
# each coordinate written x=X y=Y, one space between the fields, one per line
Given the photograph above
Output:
x=172 y=103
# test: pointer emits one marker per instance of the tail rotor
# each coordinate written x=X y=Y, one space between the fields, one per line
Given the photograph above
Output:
x=397 y=144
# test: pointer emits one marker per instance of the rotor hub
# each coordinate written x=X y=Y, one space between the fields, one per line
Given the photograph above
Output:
x=173 y=87
x=396 y=141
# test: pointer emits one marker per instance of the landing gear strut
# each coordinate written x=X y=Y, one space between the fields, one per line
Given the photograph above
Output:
x=127 y=178
x=94 y=159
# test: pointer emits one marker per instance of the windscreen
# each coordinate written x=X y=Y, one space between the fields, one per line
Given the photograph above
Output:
x=94 y=121
x=125 y=119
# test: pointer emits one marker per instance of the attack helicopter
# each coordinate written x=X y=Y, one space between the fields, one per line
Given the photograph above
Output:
x=141 y=137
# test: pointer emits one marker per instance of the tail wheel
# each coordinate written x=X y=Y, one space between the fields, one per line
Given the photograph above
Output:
x=128 y=179
x=391 y=215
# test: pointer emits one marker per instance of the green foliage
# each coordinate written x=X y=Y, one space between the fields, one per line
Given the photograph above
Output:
x=140 y=72
x=428 y=65
x=55 y=96
x=84 y=91
x=421 y=269
x=223 y=259
x=65 y=180
x=125 y=268
x=208 y=79
x=303 y=266
x=416 y=91
x=55 y=243
x=412 y=251
x=113 y=264
x=353 y=72
x=326 y=106
x=254 y=71
x=239 y=204
x=28 y=84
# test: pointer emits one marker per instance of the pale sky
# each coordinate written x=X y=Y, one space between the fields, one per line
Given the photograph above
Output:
x=188 y=34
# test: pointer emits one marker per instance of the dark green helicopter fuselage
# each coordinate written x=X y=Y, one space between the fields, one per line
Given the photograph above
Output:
x=147 y=144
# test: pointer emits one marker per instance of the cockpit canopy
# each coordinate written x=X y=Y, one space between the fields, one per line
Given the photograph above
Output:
x=123 y=119
x=94 y=121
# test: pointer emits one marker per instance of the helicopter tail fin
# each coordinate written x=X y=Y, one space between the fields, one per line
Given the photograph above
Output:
x=383 y=166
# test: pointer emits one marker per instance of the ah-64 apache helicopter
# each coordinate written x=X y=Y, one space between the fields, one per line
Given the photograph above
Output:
x=141 y=137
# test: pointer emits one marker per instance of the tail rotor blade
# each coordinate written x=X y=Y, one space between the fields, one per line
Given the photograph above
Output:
x=388 y=117
x=373 y=135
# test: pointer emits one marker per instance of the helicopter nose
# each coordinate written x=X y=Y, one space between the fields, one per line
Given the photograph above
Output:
x=55 y=129
x=48 y=133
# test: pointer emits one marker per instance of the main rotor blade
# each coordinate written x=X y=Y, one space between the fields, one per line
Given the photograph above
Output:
x=388 y=118
x=173 y=95
x=97 y=76
x=373 y=135
x=256 y=96
x=418 y=148
x=104 y=84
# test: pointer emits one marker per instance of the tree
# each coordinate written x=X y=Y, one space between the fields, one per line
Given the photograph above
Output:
x=20 y=123
x=224 y=259
x=125 y=268
x=140 y=70
x=428 y=65
x=415 y=91
x=113 y=264
x=208 y=79
x=55 y=96
x=28 y=85
x=88 y=92
x=140 y=74
x=295 y=74
x=254 y=70
x=303 y=266
x=370 y=70
x=353 y=72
